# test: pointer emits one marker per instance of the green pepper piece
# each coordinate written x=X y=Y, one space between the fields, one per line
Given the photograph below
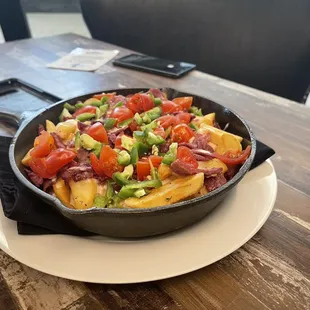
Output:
x=139 y=193
x=120 y=179
x=126 y=193
x=98 y=113
x=150 y=126
x=153 y=113
x=104 y=99
x=77 y=141
x=109 y=123
x=95 y=103
x=119 y=104
x=144 y=184
x=100 y=201
x=153 y=139
x=154 y=172
x=196 y=111
x=134 y=155
x=157 y=102
x=138 y=119
x=139 y=135
x=142 y=148
x=123 y=158
x=103 y=109
x=193 y=126
x=69 y=107
x=97 y=149
x=79 y=105
x=64 y=114
x=171 y=155
x=85 y=117
x=125 y=122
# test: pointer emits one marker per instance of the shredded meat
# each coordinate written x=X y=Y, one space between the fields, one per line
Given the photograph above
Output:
x=164 y=148
x=157 y=93
x=57 y=140
x=201 y=141
x=213 y=183
x=82 y=156
x=232 y=170
x=40 y=129
x=47 y=184
x=82 y=127
x=203 y=153
x=183 y=168
x=34 y=178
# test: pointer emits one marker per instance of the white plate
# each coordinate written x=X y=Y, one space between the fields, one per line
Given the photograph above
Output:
x=106 y=260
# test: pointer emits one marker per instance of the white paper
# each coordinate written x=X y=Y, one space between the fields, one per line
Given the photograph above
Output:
x=84 y=59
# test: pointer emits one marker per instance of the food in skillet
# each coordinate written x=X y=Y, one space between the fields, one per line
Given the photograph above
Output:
x=137 y=151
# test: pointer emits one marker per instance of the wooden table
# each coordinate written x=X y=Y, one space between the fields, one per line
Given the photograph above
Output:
x=271 y=271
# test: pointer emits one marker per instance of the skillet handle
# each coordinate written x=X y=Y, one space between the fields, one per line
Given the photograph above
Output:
x=17 y=118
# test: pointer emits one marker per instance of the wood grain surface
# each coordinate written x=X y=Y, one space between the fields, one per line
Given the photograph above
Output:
x=271 y=271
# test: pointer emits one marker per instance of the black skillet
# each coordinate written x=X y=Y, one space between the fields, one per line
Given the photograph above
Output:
x=132 y=222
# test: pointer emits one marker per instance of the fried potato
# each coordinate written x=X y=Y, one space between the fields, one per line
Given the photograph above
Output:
x=164 y=171
x=83 y=193
x=207 y=119
x=64 y=129
x=27 y=158
x=176 y=190
x=50 y=126
x=213 y=163
x=216 y=132
x=62 y=192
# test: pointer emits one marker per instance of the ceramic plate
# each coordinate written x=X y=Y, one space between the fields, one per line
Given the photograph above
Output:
x=106 y=260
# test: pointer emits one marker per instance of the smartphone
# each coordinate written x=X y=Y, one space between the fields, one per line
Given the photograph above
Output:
x=155 y=65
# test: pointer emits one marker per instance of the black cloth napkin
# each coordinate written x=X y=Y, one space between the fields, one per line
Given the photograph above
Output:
x=35 y=217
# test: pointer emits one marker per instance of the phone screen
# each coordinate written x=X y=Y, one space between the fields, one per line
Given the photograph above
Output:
x=155 y=65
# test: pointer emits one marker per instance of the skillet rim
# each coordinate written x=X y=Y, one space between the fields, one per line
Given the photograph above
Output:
x=126 y=211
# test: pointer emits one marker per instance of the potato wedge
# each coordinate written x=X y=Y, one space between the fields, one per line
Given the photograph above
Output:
x=213 y=163
x=207 y=119
x=64 y=129
x=83 y=193
x=231 y=143
x=176 y=190
x=216 y=133
x=50 y=126
x=27 y=158
x=164 y=171
x=203 y=191
x=62 y=192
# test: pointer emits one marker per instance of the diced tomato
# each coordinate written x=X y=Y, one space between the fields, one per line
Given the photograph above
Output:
x=43 y=144
x=48 y=167
x=108 y=161
x=121 y=114
x=167 y=121
x=139 y=103
x=58 y=158
x=96 y=165
x=118 y=142
x=184 y=102
x=38 y=166
x=186 y=155
x=170 y=107
x=133 y=126
x=236 y=160
x=98 y=132
x=109 y=95
x=160 y=131
x=86 y=109
x=184 y=117
x=156 y=160
x=181 y=133
x=143 y=169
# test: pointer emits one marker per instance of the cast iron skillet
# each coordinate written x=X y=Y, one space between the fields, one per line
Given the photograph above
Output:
x=132 y=222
